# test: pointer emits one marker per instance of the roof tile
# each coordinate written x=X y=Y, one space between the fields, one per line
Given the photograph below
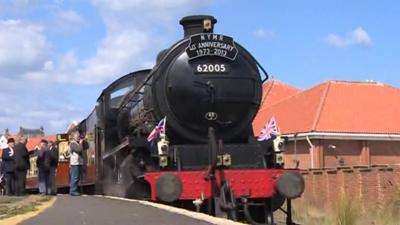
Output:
x=337 y=106
x=33 y=142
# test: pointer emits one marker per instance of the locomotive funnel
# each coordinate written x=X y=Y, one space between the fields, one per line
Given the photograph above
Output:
x=197 y=24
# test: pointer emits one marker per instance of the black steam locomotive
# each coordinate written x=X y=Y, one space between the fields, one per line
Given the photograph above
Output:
x=207 y=90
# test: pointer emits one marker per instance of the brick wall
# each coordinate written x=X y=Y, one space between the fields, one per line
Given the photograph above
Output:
x=384 y=152
x=348 y=152
x=302 y=155
x=370 y=187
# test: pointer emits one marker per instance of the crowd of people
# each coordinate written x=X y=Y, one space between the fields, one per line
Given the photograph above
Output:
x=15 y=164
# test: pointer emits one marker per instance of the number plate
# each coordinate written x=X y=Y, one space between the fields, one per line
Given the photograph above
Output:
x=211 y=68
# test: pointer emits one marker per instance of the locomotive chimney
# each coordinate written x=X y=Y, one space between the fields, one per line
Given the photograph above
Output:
x=197 y=24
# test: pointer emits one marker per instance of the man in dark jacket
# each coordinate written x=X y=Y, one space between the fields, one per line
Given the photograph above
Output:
x=53 y=151
x=8 y=165
x=22 y=165
x=43 y=164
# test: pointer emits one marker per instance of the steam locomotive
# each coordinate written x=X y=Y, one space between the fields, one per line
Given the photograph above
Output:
x=207 y=88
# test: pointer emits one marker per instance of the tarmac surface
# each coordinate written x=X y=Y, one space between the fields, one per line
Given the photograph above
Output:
x=92 y=210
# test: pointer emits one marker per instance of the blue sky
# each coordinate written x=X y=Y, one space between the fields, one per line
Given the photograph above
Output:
x=57 y=56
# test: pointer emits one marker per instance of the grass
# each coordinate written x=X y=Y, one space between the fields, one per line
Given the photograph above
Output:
x=7 y=200
x=16 y=210
x=344 y=212
x=11 y=206
x=347 y=211
x=308 y=213
x=389 y=212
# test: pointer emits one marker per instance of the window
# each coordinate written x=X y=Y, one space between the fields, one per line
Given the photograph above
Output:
x=116 y=95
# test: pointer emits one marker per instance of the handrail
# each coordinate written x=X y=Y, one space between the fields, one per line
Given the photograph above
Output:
x=126 y=99
x=255 y=60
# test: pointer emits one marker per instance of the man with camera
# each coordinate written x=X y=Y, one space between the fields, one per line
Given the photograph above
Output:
x=75 y=162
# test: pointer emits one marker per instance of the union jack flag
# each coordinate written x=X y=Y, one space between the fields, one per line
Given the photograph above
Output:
x=269 y=128
x=160 y=128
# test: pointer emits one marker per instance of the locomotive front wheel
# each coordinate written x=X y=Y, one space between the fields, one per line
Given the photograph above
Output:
x=259 y=212
x=268 y=212
x=132 y=187
x=108 y=181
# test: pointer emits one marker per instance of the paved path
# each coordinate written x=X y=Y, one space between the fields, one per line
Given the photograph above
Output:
x=92 y=210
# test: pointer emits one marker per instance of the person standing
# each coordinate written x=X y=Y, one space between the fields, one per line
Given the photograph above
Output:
x=22 y=165
x=8 y=157
x=43 y=164
x=53 y=151
x=75 y=162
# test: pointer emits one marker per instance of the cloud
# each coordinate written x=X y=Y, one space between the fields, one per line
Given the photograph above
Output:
x=357 y=37
x=18 y=7
x=54 y=120
x=16 y=4
x=151 y=9
x=23 y=3
x=23 y=47
x=39 y=85
x=67 y=21
x=71 y=17
x=114 y=57
x=263 y=34
x=27 y=104
x=132 y=41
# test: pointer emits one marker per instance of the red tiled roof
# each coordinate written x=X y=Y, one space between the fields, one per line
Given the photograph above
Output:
x=275 y=91
x=337 y=106
x=33 y=142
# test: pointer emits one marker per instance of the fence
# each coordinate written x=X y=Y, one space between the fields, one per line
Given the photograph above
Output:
x=370 y=186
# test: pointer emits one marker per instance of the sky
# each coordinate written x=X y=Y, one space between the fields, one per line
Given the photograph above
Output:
x=57 y=56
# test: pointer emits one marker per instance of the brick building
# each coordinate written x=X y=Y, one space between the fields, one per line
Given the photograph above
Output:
x=31 y=133
x=336 y=123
